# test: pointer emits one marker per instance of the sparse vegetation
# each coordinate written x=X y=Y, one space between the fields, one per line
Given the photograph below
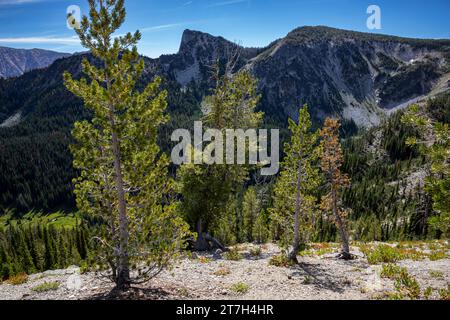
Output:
x=46 y=286
x=223 y=271
x=437 y=255
x=436 y=274
x=255 y=251
x=203 y=259
x=381 y=254
x=392 y=271
x=18 y=279
x=240 y=288
x=233 y=254
x=280 y=260
x=444 y=294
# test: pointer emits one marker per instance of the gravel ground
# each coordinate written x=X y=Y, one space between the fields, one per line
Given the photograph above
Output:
x=212 y=277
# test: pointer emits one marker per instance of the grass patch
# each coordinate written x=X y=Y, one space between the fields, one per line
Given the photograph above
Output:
x=18 y=279
x=384 y=253
x=381 y=254
x=436 y=274
x=407 y=285
x=58 y=220
x=240 y=288
x=444 y=294
x=392 y=271
x=428 y=292
x=46 y=286
x=437 y=255
x=308 y=280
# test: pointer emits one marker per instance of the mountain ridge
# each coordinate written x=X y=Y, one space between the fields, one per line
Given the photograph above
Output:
x=16 y=62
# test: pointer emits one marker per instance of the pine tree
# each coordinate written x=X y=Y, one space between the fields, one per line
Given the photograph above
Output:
x=260 y=232
x=251 y=208
x=294 y=198
x=330 y=152
x=123 y=174
x=433 y=142
x=230 y=106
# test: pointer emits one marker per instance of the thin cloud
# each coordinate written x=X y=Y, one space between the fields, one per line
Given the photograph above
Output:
x=169 y=26
x=12 y=2
x=225 y=3
x=42 y=40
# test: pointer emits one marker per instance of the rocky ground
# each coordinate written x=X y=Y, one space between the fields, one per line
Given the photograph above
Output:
x=319 y=275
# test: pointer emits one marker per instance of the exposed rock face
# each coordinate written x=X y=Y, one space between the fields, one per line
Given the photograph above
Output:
x=353 y=75
x=15 y=62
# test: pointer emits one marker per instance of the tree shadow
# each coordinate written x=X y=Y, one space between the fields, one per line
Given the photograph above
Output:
x=322 y=277
x=134 y=293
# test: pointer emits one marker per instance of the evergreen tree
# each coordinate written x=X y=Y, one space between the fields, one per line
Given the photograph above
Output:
x=433 y=142
x=230 y=106
x=123 y=175
x=251 y=208
x=330 y=153
x=294 y=198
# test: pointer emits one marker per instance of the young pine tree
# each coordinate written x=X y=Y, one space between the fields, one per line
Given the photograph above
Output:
x=294 y=198
x=251 y=208
x=123 y=174
x=330 y=152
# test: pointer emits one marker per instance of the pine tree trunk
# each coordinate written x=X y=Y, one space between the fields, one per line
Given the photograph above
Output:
x=298 y=199
x=345 y=254
x=123 y=269
x=201 y=244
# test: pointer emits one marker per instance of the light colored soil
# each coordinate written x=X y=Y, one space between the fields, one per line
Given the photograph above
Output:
x=316 y=277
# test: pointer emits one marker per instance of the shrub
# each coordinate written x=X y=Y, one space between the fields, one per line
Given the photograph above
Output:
x=233 y=254
x=382 y=254
x=428 y=292
x=240 y=288
x=18 y=279
x=407 y=285
x=280 y=261
x=46 y=286
x=255 y=251
x=392 y=271
x=203 y=259
x=222 y=271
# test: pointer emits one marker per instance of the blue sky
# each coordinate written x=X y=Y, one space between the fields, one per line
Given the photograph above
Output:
x=254 y=23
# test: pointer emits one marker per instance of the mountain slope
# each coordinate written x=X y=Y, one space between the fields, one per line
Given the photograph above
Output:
x=15 y=62
x=355 y=76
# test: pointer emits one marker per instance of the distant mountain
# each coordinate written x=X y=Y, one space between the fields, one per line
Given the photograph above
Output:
x=15 y=62
x=358 y=77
